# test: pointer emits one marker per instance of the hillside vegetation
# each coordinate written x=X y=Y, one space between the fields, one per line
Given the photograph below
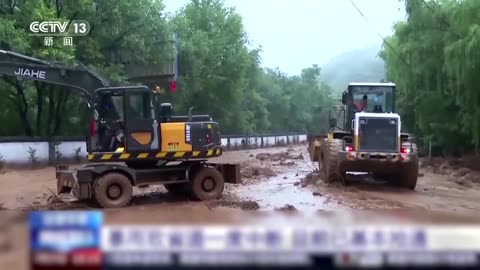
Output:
x=358 y=65
x=435 y=60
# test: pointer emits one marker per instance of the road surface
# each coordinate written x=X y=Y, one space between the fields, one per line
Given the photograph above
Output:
x=279 y=185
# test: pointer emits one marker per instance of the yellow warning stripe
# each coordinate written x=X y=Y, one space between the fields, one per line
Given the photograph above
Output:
x=179 y=154
x=106 y=156
x=142 y=155
x=158 y=155
x=161 y=154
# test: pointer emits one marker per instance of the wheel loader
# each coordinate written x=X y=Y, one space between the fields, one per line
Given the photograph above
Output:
x=365 y=136
x=134 y=140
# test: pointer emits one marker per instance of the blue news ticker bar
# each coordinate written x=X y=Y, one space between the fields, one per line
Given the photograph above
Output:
x=81 y=234
x=65 y=231
x=71 y=219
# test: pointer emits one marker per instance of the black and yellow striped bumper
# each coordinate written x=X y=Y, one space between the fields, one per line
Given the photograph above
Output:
x=174 y=155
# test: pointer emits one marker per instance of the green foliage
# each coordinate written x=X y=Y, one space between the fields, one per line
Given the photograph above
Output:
x=219 y=73
x=435 y=62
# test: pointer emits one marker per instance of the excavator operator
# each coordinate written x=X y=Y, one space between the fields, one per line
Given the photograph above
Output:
x=114 y=128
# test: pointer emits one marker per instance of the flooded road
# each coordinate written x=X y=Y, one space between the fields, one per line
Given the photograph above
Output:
x=280 y=192
x=280 y=186
x=273 y=179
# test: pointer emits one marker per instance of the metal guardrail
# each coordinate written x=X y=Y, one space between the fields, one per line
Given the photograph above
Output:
x=51 y=151
x=14 y=139
x=277 y=134
x=261 y=141
x=20 y=139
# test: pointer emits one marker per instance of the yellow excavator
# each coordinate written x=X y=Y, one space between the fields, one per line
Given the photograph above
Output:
x=134 y=140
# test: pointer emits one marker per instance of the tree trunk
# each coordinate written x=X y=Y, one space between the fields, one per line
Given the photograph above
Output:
x=40 y=101
x=60 y=111
x=23 y=108
x=51 y=111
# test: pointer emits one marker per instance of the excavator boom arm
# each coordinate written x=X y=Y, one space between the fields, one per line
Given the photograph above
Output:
x=79 y=78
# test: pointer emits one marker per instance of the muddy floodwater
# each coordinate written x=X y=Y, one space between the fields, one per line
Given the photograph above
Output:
x=280 y=186
x=275 y=180
x=280 y=191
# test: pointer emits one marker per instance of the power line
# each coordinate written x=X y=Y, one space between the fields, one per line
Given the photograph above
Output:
x=375 y=30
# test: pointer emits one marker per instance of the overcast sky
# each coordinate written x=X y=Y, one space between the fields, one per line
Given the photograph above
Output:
x=295 y=34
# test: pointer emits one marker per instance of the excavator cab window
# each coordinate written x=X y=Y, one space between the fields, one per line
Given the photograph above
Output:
x=140 y=106
x=128 y=117
x=141 y=125
x=111 y=120
x=112 y=106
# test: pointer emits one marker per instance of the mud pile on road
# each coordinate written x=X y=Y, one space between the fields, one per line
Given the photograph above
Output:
x=312 y=178
x=287 y=208
x=245 y=205
x=262 y=164
x=280 y=156
x=463 y=171
x=253 y=171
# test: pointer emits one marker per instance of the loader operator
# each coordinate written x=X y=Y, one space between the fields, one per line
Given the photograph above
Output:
x=361 y=106
x=377 y=108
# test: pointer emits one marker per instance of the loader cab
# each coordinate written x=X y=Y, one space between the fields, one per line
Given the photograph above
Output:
x=380 y=99
x=127 y=120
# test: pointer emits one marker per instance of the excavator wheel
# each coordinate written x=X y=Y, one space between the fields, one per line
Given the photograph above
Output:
x=112 y=190
x=331 y=162
x=207 y=183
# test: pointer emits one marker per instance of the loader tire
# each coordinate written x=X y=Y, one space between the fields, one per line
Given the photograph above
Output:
x=331 y=163
x=113 y=190
x=409 y=175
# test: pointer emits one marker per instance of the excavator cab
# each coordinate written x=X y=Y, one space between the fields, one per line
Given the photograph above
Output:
x=130 y=120
x=127 y=121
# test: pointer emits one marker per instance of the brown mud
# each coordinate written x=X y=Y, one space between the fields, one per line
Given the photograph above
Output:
x=280 y=186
